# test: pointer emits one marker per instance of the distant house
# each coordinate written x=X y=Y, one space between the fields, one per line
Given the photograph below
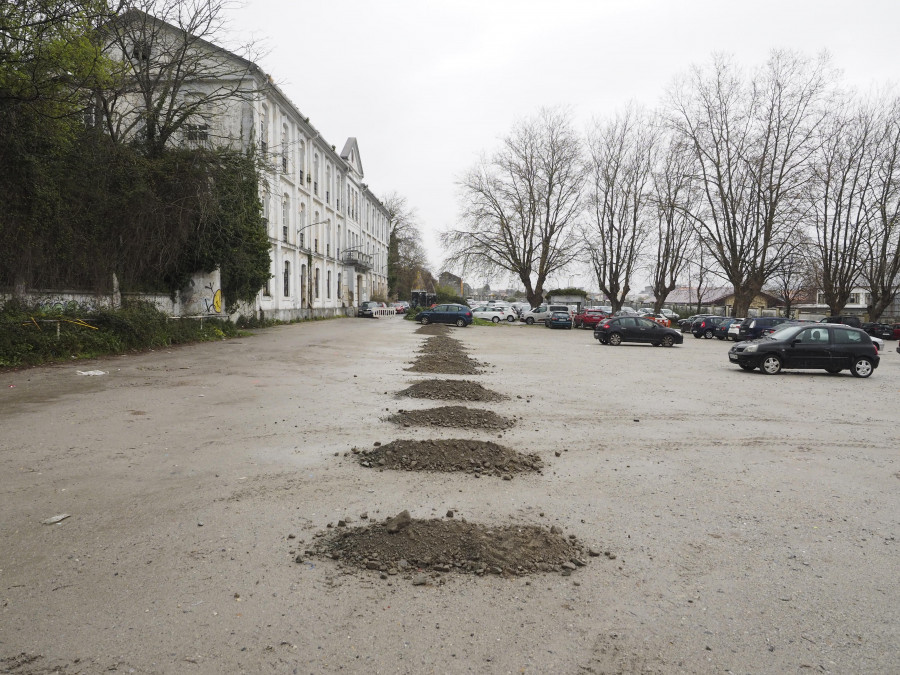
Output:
x=719 y=297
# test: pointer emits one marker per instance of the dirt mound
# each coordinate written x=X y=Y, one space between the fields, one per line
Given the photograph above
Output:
x=434 y=329
x=452 y=416
x=460 y=390
x=441 y=354
x=476 y=457
x=402 y=545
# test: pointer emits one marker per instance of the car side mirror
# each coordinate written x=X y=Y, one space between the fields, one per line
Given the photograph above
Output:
x=796 y=341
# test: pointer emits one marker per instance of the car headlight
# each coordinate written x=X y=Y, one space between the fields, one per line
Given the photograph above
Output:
x=750 y=348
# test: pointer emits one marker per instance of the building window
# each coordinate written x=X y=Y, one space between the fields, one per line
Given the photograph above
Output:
x=317 y=283
x=287 y=279
x=328 y=284
x=339 y=285
x=853 y=299
x=140 y=51
x=286 y=210
x=284 y=148
x=197 y=132
x=264 y=132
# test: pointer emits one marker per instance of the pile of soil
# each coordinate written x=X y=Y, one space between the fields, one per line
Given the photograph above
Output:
x=452 y=416
x=434 y=329
x=475 y=457
x=459 y=390
x=402 y=545
x=441 y=354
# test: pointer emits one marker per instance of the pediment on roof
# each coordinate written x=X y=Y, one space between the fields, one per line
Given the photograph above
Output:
x=350 y=154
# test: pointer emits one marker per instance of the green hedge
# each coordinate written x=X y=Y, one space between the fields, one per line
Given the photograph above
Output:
x=29 y=335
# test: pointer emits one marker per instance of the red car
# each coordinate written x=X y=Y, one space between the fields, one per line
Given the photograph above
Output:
x=896 y=328
x=589 y=318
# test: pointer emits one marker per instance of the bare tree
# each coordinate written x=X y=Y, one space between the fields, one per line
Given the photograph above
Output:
x=799 y=273
x=673 y=198
x=172 y=76
x=751 y=140
x=841 y=177
x=406 y=254
x=520 y=206
x=881 y=267
x=622 y=155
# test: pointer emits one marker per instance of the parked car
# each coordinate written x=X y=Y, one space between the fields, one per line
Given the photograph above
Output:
x=878 y=342
x=559 y=320
x=543 y=312
x=495 y=313
x=720 y=332
x=685 y=324
x=832 y=348
x=846 y=319
x=589 y=318
x=367 y=309
x=616 y=330
x=670 y=315
x=753 y=326
x=734 y=329
x=705 y=325
x=896 y=328
x=452 y=313
x=882 y=330
x=401 y=307
x=790 y=322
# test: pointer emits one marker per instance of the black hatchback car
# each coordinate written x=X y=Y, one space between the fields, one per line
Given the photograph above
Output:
x=832 y=348
x=616 y=330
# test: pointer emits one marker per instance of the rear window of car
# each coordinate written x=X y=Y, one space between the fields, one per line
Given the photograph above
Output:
x=845 y=336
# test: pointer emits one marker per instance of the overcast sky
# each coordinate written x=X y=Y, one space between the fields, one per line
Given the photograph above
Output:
x=426 y=87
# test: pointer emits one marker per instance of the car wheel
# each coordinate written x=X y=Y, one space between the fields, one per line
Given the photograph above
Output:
x=708 y=335
x=862 y=367
x=747 y=366
x=771 y=365
x=529 y=320
x=697 y=335
x=461 y=323
x=496 y=319
x=614 y=339
x=668 y=341
x=511 y=319
x=425 y=321
x=833 y=371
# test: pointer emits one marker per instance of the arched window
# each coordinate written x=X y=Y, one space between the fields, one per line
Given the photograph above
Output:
x=287 y=279
x=316 y=173
x=339 y=285
x=301 y=161
x=328 y=237
x=285 y=216
x=264 y=130
x=328 y=184
x=317 y=283
x=328 y=284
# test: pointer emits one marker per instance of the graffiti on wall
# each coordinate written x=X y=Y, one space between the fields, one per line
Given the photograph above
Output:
x=213 y=306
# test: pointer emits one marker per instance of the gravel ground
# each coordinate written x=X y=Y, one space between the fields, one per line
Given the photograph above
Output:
x=746 y=523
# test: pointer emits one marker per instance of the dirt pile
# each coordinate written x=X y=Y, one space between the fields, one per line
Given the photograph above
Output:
x=480 y=458
x=406 y=546
x=433 y=329
x=459 y=390
x=452 y=416
x=441 y=354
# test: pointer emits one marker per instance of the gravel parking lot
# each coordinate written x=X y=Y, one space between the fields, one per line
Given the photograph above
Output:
x=738 y=522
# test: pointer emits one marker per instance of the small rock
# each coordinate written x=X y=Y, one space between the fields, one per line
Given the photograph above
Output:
x=398 y=522
x=377 y=443
x=578 y=562
x=450 y=513
x=364 y=515
x=419 y=580
x=298 y=559
x=594 y=553
x=568 y=566
x=342 y=523
x=292 y=536
x=555 y=529
x=557 y=453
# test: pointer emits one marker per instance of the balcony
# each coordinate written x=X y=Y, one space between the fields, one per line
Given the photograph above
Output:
x=361 y=261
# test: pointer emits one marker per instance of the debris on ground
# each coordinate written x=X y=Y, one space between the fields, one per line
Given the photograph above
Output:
x=442 y=546
x=469 y=456
x=452 y=416
x=461 y=390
